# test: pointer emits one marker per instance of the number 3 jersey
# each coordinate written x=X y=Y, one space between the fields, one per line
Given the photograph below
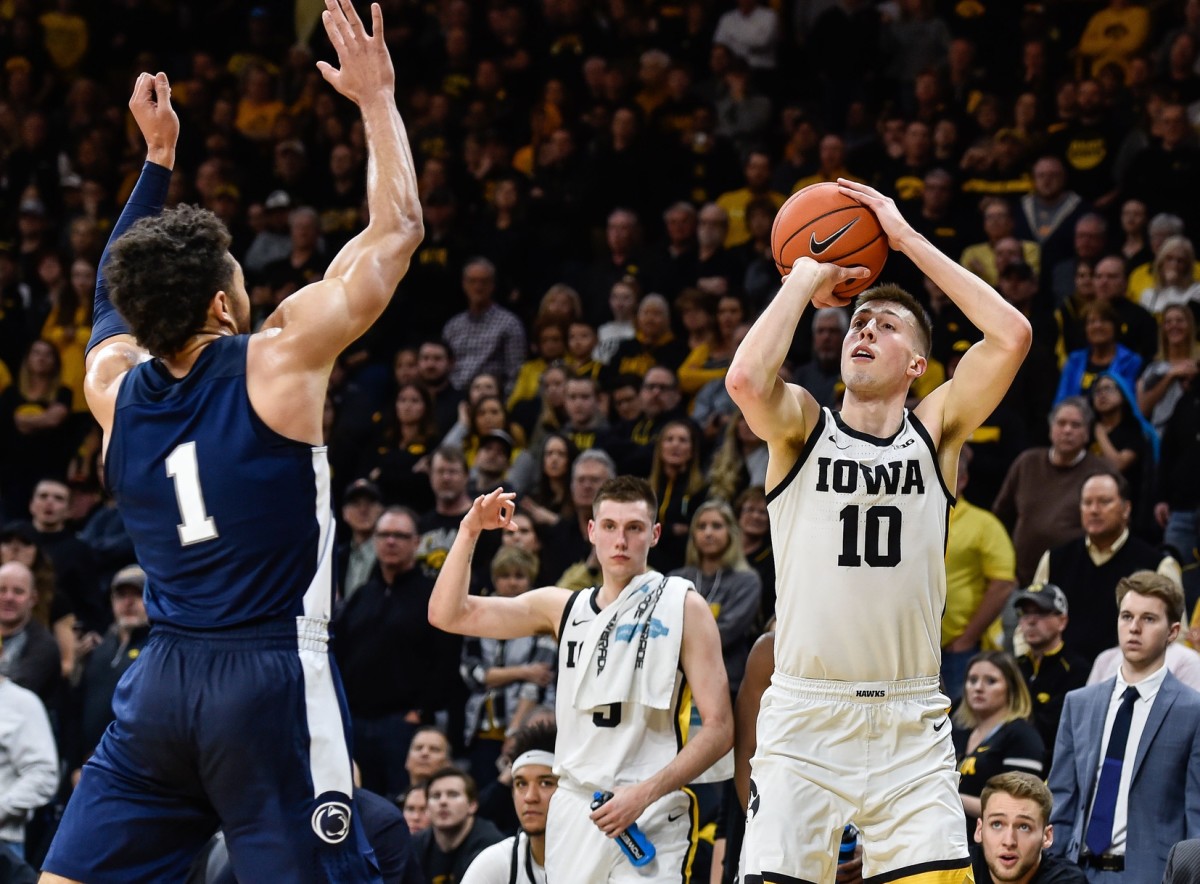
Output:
x=230 y=520
x=616 y=745
x=859 y=532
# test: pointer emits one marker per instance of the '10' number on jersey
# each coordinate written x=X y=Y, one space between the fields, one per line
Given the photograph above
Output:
x=885 y=555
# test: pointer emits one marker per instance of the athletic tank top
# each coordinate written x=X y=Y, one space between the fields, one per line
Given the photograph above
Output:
x=230 y=520
x=859 y=531
x=617 y=745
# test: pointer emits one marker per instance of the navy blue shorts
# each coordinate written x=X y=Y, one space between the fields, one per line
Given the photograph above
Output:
x=243 y=729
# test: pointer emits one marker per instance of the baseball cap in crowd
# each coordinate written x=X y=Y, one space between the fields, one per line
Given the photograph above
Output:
x=362 y=488
x=1046 y=596
x=32 y=206
x=278 y=199
x=21 y=530
x=498 y=436
x=130 y=575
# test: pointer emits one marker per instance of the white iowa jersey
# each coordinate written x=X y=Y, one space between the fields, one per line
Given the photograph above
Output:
x=616 y=745
x=859 y=531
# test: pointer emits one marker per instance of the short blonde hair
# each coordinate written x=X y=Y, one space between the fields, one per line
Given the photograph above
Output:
x=1150 y=583
x=514 y=560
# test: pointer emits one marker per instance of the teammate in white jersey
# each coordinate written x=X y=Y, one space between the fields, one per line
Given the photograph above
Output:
x=853 y=726
x=631 y=749
x=521 y=859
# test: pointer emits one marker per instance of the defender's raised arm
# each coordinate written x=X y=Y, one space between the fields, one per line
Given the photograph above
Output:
x=322 y=319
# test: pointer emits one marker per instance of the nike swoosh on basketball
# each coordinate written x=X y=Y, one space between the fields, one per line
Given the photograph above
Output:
x=818 y=246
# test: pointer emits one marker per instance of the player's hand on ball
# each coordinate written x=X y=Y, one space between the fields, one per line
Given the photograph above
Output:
x=490 y=511
x=824 y=277
x=884 y=207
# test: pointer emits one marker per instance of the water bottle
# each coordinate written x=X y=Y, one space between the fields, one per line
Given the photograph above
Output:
x=636 y=846
x=849 y=843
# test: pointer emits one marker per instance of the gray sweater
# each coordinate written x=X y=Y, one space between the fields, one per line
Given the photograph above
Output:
x=28 y=759
x=734 y=597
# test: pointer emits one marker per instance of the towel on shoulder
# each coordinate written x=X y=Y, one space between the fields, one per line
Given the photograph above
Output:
x=633 y=646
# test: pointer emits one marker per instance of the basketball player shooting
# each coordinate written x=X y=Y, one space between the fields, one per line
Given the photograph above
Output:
x=233 y=716
x=853 y=725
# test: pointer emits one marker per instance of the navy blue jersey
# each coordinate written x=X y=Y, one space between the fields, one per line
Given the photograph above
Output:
x=231 y=521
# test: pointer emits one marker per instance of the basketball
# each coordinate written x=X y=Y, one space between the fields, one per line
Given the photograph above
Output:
x=822 y=223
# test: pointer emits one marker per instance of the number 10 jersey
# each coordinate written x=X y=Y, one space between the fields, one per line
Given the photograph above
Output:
x=230 y=520
x=859 y=530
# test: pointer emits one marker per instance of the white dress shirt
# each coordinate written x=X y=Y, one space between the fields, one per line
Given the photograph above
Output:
x=1148 y=690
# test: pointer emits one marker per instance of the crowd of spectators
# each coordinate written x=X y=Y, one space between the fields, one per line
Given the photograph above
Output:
x=599 y=179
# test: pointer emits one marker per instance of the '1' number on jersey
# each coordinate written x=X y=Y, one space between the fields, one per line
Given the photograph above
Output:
x=197 y=525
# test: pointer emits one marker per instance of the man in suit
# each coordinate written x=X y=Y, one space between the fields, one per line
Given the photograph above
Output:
x=1126 y=787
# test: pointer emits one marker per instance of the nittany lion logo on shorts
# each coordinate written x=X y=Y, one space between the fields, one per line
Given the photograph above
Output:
x=752 y=804
x=331 y=822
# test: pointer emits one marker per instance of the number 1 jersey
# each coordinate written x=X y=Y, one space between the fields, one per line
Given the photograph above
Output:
x=230 y=520
x=859 y=532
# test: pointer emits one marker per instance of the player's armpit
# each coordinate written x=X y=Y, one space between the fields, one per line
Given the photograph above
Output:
x=107 y=364
x=779 y=414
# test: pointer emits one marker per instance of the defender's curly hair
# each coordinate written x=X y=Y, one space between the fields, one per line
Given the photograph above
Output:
x=163 y=273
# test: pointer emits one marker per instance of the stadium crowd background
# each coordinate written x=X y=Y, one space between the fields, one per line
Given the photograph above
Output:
x=599 y=181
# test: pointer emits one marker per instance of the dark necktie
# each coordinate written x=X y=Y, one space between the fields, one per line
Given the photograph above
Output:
x=1104 y=808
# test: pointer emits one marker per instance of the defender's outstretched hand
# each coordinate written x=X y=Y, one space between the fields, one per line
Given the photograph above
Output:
x=490 y=511
x=366 y=67
x=150 y=105
x=884 y=207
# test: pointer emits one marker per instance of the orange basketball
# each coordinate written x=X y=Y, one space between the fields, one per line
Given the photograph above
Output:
x=822 y=223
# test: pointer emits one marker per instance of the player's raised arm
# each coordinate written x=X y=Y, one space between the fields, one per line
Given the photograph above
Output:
x=453 y=609
x=320 y=320
x=112 y=350
x=777 y=412
x=958 y=407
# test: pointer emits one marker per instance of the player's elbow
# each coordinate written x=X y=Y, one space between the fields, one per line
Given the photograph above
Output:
x=743 y=385
x=1016 y=336
x=440 y=613
x=400 y=240
x=723 y=727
